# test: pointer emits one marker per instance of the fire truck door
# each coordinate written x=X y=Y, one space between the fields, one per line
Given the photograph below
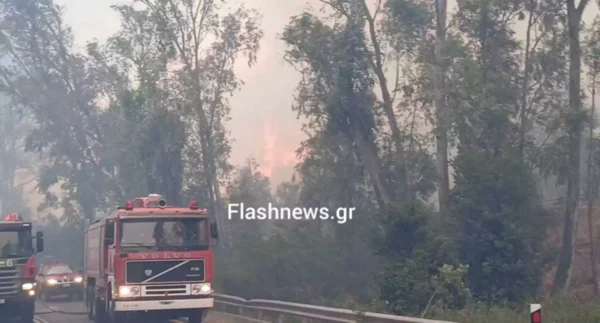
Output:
x=109 y=241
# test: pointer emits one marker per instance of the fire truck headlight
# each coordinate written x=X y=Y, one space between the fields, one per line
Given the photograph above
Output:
x=27 y=286
x=52 y=281
x=78 y=279
x=201 y=289
x=129 y=291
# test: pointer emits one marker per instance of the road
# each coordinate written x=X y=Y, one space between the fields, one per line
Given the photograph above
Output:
x=50 y=313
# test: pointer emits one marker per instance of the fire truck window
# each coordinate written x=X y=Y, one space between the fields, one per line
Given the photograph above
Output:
x=165 y=234
x=14 y=243
x=203 y=232
x=137 y=232
x=109 y=234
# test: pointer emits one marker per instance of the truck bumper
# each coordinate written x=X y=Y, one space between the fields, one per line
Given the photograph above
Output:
x=17 y=304
x=61 y=290
x=164 y=304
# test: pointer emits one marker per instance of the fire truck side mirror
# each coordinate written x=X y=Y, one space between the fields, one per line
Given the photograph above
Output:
x=214 y=232
x=39 y=241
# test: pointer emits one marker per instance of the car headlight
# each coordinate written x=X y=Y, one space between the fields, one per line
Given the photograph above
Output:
x=27 y=286
x=51 y=281
x=201 y=289
x=78 y=279
x=129 y=291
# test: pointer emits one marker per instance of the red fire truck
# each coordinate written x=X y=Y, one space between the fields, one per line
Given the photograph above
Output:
x=18 y=268
x=149 y=258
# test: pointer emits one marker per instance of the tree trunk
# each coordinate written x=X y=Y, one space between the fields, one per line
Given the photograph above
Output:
x=565 y=262
x=9 y=163
x=388 y=107
x=441 y=131
x=369 y=158
x=591 y=191
x=523 y=113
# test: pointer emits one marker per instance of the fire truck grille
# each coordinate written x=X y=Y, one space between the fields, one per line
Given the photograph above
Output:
x=165 y=271
x=165 y=290
x=10 y=277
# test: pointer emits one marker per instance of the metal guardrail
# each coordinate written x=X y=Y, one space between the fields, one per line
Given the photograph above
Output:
x=284 y=312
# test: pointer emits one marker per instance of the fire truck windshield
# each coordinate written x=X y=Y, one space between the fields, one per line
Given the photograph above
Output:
x=15 y=242
x=164 y=234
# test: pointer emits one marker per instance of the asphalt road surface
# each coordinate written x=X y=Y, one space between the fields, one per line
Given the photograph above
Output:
x=50 y=312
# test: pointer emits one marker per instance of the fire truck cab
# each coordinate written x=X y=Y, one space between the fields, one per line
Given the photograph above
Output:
x=149 y=258
x=18 y=268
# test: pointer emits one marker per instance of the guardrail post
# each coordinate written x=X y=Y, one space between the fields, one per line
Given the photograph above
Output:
x=536 y=313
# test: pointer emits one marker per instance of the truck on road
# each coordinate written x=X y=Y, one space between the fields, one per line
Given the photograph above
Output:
x=147 y=258
x=18 y=268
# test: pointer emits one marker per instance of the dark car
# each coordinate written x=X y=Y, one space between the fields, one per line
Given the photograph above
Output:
x=59 y=280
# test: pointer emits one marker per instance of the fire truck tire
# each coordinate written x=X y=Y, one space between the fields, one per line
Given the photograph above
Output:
x=197 y=316
x=100 y=315
x=27 y=313
x=115 y=317
x=89 y=304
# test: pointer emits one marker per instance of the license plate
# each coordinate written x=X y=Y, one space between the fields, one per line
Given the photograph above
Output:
x=2 y=301
x=67 y=285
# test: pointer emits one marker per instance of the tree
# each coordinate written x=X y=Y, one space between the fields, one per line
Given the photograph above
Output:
x=574 y=122
x=206 y=76
x=252 y=189
x=441 y=113
x=592 y=60
x=46 y=79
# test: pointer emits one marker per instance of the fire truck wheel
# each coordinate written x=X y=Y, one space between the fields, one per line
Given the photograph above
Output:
x=89 y=303
x=27 y=313
x=197 y=316
x=115 y=317
x=100 y=315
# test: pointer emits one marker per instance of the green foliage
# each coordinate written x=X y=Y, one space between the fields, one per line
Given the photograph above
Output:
x=418 y=266
x=494 y=204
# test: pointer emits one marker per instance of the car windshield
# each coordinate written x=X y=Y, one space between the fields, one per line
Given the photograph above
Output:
x=59 y=270
x=15 y=243
x=165 y=234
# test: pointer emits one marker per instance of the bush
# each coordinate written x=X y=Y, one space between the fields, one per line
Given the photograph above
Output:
x=498 y=225
x=419 y=268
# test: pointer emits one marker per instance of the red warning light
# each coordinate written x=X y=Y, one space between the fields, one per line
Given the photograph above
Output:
x=129 y=205
x=536 y=317
x=13 y=217
x=193 y=205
